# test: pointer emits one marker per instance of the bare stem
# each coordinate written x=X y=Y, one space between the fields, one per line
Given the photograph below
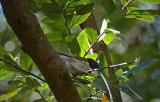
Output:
x=107 y=86
x=66 y=24
x=41 y=96
x=93 y=44
x=128 y=3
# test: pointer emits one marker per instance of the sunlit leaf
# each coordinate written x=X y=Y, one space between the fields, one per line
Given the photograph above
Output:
x=42 y=87
x=83 y=42
x=91 y=34
x=83 y=81
x=5 y=74
x=110 y=34
x=78 y=19
x=8 y=95
x=92 y=56
x=139 y=14
x=103 y=26
x=5 y=71
x=148 y=12
x=151 y=1
x=124 y=1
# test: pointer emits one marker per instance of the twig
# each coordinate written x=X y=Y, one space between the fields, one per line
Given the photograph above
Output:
x=129 y=2
x=108 y=88
x=66 y=24
x=122 y=64
x=15 y=66
x=93 y=44
x=117 y=65
x=41 y=96
x=91 y=95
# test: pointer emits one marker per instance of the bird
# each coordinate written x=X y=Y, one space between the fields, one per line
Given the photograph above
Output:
x=74 y=66
x=92 y=63
x=78 y=67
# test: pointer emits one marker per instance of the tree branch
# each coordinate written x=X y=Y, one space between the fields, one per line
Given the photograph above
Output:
x=18 y=68
x=35 y=44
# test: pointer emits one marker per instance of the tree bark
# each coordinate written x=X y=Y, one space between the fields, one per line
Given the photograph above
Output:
x=35 y=44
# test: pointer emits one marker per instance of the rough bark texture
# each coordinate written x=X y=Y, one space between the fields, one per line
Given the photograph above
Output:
x=34 y=43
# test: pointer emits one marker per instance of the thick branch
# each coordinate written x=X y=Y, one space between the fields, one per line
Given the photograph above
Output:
x=34 y=43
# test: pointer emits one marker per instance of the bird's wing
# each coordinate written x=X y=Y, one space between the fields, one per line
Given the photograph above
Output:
x=74 y=65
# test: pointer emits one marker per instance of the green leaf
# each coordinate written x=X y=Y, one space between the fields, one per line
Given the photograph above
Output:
x=150 y=12
x=55 y=36
x=5 y=71
x=53 y=25
x=102 y=64
x=83 y=42
x=8 y=95
x=61 y=46
x=80 y=6
x=110 y=35
x=75 y=49
x=3 y=52
x=151 y=1
x=81 y=10
x=83 y=81
x=32 y=83
x=92 y=56
x=25 y=60
x=74 y=3
x=98 y=83
x=124 y=1
x=143 y=15
x=138 y=68
x=33 y=4
x=5 y=74
x=131 y=92
x=51 y=9
x=42 y=87
x=108 y=5
x=51 y=18
x=102 y=60
x=91 y=34
x=78 y=19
